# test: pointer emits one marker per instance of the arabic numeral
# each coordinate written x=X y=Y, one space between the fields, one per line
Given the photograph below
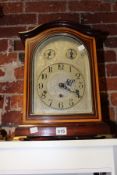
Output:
x=77 y=75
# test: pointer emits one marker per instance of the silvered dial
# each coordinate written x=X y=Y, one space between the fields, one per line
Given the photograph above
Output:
x=61 y=80
x=60 y=86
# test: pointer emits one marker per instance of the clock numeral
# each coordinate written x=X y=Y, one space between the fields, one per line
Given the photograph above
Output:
x=71 y=102
x=77 y=75
x=60 y=66
x=60 y=105
x=50 y=69
x=77 y=93
x=43 y=95
x=40 y=85
x=70 y=68
x=50 y=102
x=81 y=85
x=44 y=76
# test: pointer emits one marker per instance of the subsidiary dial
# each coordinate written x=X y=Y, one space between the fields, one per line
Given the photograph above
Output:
x=60 y=86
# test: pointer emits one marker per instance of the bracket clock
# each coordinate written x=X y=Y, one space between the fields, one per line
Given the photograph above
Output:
x=61 y=86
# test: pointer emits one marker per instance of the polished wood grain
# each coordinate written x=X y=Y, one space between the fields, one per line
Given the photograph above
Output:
x=79 y=124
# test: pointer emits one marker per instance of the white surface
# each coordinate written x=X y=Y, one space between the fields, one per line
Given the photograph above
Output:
x=51 y=157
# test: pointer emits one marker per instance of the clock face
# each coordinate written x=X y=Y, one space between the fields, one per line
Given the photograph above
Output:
x=61 y=78
x=60 y=86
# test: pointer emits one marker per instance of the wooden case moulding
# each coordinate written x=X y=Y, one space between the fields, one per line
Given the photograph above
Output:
x=61 y=86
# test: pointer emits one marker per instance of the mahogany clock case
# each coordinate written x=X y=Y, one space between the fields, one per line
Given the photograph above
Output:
x=83 y=38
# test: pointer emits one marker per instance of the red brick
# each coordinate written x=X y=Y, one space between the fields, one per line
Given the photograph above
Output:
x=7 y=58
x=18 y=19
x=93 y=18
x=106 y=56
x=111 y=70
x=110 y=55
x=16 y=102
x=11 y=87
x=19 y=73
x=10 y=31
x=3 y=45
x=12 y=117
x=89 y=5
x=46 y=6
x=18 y=45
x=2 y=73
x=109 y=28
x=114 y=99
x=6 y=103
x=108 y=113
x=1 y=101
x=107 y=84
x=14 y=7
x=111 y=84
x=1 y=11
x=115 y=6
x=111 y=42
x=43 y=18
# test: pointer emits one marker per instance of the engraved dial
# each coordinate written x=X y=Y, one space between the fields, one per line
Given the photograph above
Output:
x=49 y=54
x=71 y=53
x=61 y=80
x=60 y=86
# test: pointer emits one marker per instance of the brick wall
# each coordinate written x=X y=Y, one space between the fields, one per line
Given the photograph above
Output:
x=20 y=15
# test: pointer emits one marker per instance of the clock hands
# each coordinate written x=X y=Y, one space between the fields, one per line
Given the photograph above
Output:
x=70 y=82
x=64 y=86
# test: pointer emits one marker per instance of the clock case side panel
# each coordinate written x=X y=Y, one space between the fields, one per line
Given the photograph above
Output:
x=30 y=39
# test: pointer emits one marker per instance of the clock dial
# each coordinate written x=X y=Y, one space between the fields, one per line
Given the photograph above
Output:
x=60 y=86
x=49 y=54
x=71 y=53
x=61 y=78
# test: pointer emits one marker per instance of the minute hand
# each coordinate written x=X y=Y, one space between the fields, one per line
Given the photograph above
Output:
x=62 y=85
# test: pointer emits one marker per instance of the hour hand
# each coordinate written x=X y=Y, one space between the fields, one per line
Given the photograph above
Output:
x=63 y=85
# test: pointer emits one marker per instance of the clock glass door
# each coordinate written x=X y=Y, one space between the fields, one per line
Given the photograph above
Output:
x=61 y=77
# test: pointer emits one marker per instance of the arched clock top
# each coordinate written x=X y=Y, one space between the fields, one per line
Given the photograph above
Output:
x=61 y=86
x=86 y=30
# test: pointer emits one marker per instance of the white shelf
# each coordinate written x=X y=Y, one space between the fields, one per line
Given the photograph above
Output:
x=58 y=157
